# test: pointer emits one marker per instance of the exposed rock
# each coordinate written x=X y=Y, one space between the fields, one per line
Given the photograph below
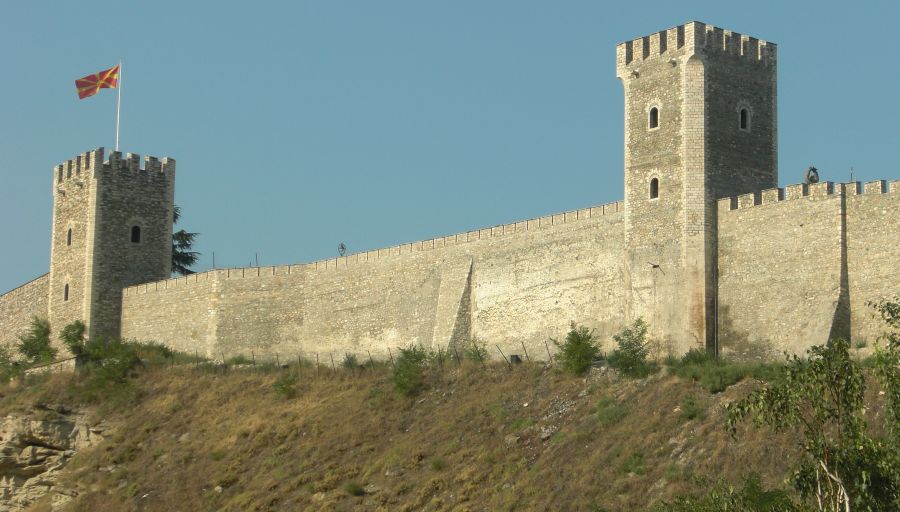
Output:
x=548 y=431
x=34 y=450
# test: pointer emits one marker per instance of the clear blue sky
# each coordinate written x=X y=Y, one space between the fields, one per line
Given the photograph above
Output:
x=298 y=125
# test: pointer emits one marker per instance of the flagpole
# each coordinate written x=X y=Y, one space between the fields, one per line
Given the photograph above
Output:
x=118 y=103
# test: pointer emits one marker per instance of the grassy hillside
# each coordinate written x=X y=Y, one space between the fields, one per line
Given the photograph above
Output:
x=478 y=438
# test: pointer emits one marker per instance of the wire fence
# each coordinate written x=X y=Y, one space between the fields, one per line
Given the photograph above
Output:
x=449 y=356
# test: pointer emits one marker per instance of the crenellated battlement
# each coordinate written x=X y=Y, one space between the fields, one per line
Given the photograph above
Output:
x=92 y=161
x=355 y=259
x=801 y=190
x=693 y=36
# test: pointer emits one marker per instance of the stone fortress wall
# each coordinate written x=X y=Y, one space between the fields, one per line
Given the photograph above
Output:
x=702 y=247
x=513 y=284
x=797 y=265
x=19 y=305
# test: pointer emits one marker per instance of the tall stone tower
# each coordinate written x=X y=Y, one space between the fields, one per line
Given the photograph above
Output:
x=700 y=124
x=112 y=228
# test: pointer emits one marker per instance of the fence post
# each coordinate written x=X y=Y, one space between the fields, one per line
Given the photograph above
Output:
x=525 y=350
x=392 y=358
x=331 y=355
x=371 y=363
x=504 y=356
x=549 y=356
x=458 y=362
x=277 y=362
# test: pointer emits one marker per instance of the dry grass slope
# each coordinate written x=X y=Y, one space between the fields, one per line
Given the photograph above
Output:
x=480 y=438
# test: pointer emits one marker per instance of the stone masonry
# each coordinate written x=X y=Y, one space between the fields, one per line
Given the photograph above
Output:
x=704 y=247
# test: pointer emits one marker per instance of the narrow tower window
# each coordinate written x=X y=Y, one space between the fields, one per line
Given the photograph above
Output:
x=135 y=234
x=654 y=117
x=745 y=119
x=69 y=237
x=66 y=292
x=654 y=188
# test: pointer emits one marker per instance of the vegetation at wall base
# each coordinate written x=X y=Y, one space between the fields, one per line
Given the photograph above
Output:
x=577 y=351
x=476 y=351
x=350 y=362
x=717 y=375
x=34 y=344
x=630 y=357
x=409 y=372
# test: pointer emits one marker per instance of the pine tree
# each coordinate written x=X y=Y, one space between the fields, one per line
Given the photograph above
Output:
x=182 y=242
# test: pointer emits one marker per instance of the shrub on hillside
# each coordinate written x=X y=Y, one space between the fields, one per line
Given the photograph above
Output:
x=238 y=360
x=409 y=372
x=750 y=497
x=34 y=343
x=630 y=357
x=578 y=351
x=105 y=359
x=715 y=376
x=476 y=351
x=286 y=385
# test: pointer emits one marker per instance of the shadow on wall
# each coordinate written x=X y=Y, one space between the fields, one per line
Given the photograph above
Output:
x=737 y=345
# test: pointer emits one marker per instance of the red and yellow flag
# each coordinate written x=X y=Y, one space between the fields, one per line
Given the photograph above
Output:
x=91 y=84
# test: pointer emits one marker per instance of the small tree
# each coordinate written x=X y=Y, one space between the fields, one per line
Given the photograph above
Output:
x=106 y=359
x=34 y=344
x=631 y=356
x=72 y=337
x=409 y=372
x=577 y=352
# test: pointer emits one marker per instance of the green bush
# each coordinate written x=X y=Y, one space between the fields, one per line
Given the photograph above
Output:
x=578 y=351
x=34 y=343
x=609 y=412
x=476 y=352
x=631 y=356
x=354 y=489
x=238 y=360
x=696 y=356
x=350 y=362
x=715 y=376
x=286 y=385
x=409 y=372
x=690 y=409
x=633 y=464
x=723 y=497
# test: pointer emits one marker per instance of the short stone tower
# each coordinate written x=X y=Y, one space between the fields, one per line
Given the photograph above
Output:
x=112 y=228
x=700 y=124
